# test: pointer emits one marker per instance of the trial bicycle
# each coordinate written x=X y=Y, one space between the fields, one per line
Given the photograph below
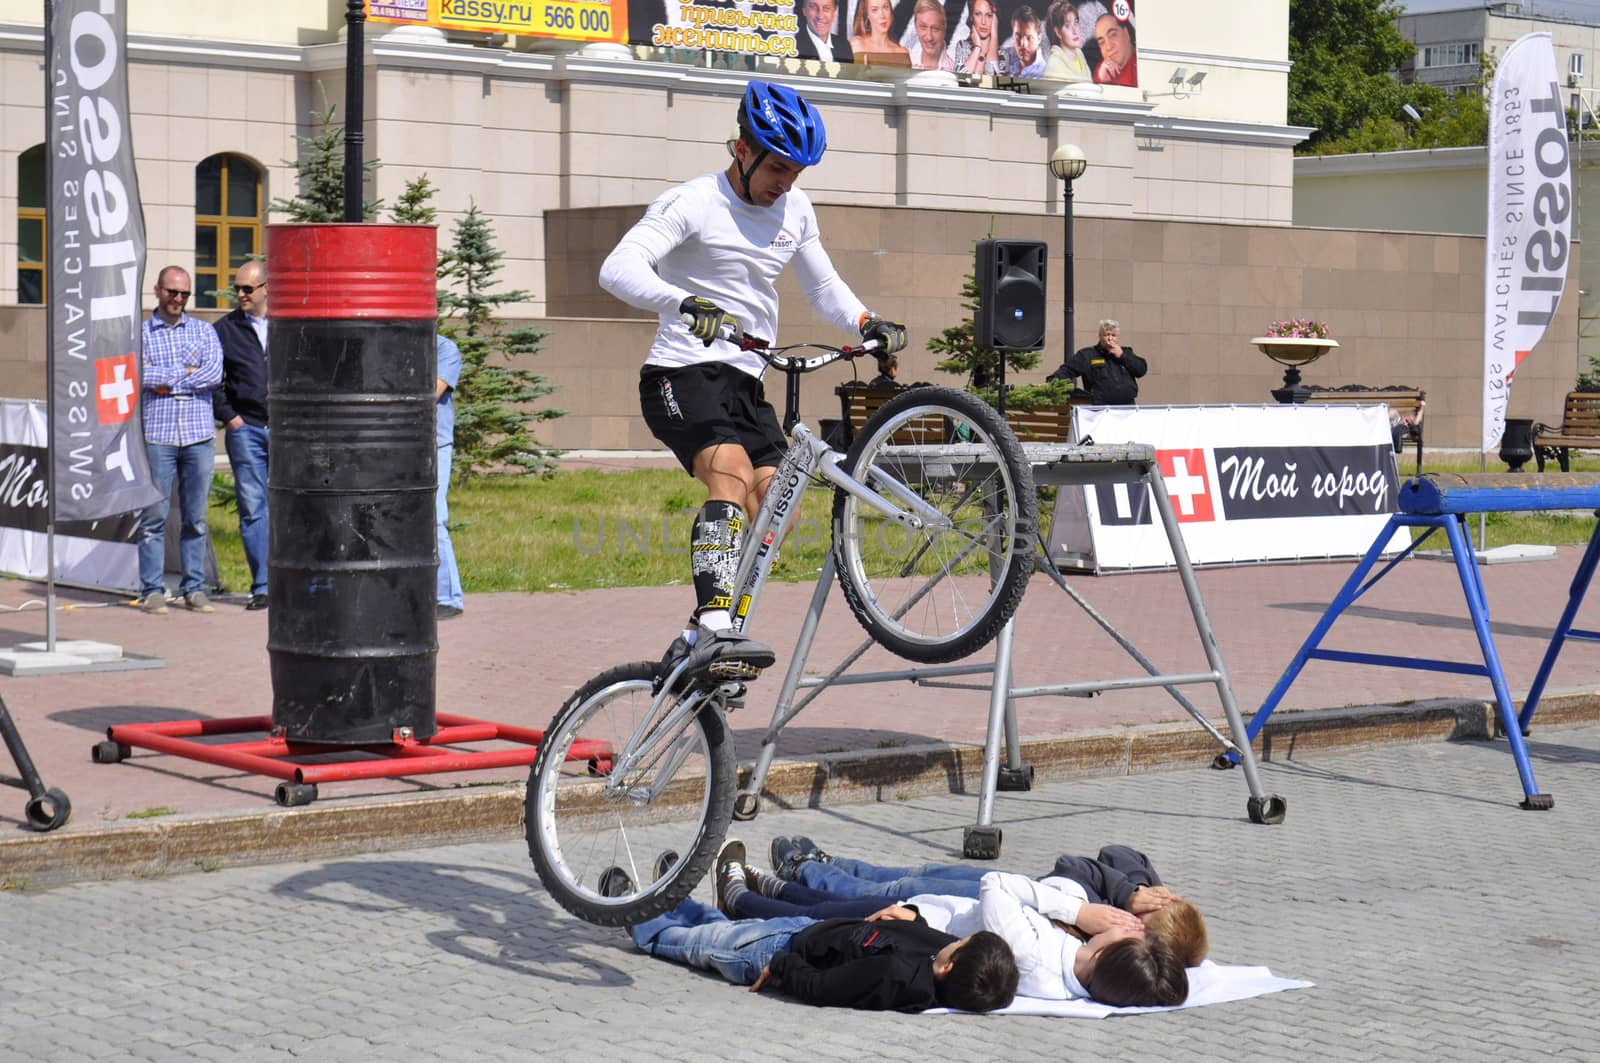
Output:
x=933 y=528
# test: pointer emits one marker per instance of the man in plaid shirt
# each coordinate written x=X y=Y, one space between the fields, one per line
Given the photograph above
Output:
x=182 y=365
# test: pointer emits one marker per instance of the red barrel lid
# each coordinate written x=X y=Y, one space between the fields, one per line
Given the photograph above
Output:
x=343 y=270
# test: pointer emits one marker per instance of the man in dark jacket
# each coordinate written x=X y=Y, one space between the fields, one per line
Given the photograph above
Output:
x=241 y=405
x=1110 y=372
x=875 y=965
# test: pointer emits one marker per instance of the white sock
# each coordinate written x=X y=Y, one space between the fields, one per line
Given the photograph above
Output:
x=689 y=634
x=716 y=620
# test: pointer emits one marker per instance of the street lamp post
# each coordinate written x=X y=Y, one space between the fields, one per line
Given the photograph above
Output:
x=1068 y=163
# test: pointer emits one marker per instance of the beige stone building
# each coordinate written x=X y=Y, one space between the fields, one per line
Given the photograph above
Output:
x=1182 y=219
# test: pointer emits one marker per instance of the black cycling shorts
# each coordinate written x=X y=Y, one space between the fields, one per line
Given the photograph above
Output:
x=692 y=407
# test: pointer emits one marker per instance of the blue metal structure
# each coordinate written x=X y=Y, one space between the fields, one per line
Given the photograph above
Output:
x=1440 y=502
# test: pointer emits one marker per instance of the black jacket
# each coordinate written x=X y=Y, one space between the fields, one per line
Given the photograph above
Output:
x=851 y=963
x=1111 y=877
x=244 y=372
x=1107 y=381
x=838 y=43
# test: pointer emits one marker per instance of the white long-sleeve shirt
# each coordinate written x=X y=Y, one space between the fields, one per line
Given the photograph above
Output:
x=701 y=239
x=1019 y=909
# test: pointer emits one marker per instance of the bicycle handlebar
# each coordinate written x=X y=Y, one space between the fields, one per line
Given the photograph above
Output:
x=789 y=363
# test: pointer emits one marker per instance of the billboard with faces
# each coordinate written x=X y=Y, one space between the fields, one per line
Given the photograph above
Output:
x=1059 y=40
x=1065 y=40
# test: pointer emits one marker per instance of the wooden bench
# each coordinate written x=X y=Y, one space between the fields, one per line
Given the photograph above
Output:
x=1407 y=402
x=1050 y=424
x=1579 y=428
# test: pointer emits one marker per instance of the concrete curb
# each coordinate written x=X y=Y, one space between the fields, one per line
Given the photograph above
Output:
x=153 y=848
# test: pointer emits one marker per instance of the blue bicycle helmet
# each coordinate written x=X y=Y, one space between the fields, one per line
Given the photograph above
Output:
x=782 y=123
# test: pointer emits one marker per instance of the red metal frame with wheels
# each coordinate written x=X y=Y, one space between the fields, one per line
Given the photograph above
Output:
x=404 y=756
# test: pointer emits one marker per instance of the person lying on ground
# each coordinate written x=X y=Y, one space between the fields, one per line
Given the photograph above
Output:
x=898 y=965
x=1065 y=947
x=1119 y=876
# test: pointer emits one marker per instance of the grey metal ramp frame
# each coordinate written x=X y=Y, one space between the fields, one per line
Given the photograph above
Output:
x=1062 y=465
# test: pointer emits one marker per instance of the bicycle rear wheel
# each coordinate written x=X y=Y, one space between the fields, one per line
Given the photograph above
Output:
x=941 y=591
x=580 y=819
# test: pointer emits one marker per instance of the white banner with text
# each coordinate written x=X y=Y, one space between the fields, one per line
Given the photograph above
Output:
x=1247 y=484
x=91 y=553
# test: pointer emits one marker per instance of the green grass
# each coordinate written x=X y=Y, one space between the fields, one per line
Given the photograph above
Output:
x=585 y=528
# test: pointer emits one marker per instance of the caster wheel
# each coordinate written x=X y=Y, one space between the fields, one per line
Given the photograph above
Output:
x=295 y=794
x=745 y=807
x=1269 y=809
x=109 y=752
x=981 y=843
x=1223 y=762
x=49 y=810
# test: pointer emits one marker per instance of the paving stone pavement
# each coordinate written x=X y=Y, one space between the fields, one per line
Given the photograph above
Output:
x=1439 y=921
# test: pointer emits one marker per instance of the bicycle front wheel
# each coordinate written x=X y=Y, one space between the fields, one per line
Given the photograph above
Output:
x=940 y=587
x=585 y=812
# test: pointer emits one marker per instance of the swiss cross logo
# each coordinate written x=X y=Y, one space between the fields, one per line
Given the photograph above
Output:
x=116 y=393
x=1187 y=484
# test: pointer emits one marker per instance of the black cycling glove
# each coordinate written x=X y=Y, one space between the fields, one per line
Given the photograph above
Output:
x=891 y=335
x=710 y=320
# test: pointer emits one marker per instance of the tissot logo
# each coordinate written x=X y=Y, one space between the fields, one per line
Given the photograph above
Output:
x=783 y=241
x=116 y=388
x=1188 y=485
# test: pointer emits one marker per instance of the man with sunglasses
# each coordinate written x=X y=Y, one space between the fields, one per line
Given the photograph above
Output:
x=182 y=365
x=241 y=405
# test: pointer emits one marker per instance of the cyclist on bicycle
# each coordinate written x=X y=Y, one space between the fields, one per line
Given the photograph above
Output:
x=710 y=250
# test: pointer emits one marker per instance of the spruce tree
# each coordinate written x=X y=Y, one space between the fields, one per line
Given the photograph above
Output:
x=493 y=399
x=412 y=208
x=319 y=175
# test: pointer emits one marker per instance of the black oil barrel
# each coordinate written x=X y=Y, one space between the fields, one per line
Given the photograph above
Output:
x=352 y=557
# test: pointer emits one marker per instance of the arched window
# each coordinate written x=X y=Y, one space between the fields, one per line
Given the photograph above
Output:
x=227 y=221
x=30 y=226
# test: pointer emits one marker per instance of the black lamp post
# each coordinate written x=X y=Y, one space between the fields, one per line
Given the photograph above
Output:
x=355 y=19
x=1068 y=163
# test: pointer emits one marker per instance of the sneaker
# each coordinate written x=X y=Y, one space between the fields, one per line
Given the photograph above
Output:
x=614 y=882
x=154 y=603
x=729 y=867
x=727 y=874
x=811 y=849
x=447 y=612
x=257 y=602
x=665 y=863
x=723 y=654
x=786 y=857
x=197 y=602
x=676 y=652
x=733 y=852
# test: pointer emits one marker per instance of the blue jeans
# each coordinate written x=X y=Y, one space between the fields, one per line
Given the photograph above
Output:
x=192 y=466
x=247 y=454
x=449 y=575
x=845 y=877
x=795 y=899
x=697 y=936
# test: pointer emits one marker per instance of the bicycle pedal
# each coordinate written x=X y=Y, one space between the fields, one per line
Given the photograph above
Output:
x=735 y=670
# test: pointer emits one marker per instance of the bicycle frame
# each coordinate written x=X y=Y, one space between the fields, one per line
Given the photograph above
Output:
x=806 y=457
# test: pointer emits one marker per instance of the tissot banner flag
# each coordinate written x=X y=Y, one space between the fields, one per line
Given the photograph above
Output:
x=97 y=245
x=1529 y=231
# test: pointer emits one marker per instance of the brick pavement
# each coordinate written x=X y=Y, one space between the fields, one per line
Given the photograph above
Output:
x=515 y=657
x=1438 y=921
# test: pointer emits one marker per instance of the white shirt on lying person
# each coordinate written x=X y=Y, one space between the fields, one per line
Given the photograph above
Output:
x=1019 y=909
